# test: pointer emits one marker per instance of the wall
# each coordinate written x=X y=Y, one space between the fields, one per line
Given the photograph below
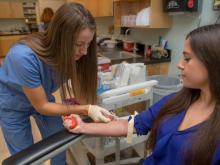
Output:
x=176 y=35
x=103 y=23
x=182 y=24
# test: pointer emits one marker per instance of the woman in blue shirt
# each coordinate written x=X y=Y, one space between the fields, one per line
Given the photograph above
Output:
x=184 y=126
x=35 y=67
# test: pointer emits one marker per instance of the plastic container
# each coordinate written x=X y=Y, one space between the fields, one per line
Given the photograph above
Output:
x=166 y=85
x=110 y=43
x=128 y=46
x=102 y=84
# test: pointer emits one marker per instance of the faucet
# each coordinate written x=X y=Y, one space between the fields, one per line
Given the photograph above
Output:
x=127 y=31
x=126 y=34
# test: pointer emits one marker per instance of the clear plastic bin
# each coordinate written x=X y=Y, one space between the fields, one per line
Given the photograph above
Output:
x=166 y=85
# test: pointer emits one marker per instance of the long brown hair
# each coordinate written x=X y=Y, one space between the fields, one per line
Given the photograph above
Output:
x=47 y=15
x=56 y=47
x=204 y=42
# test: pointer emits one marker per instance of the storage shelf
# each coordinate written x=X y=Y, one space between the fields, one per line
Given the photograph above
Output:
x=157 y=18
x=31 y=18
x=133 y=26
x=32 y=22
x=29 y=13
x=125 y=0
x=29 y=7
x=13 y=18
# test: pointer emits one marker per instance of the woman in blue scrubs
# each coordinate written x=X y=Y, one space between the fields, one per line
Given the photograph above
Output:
x=63 y=56
x=185 y=126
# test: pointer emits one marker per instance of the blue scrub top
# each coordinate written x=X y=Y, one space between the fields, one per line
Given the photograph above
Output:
x=23 y=68
x=170 y=143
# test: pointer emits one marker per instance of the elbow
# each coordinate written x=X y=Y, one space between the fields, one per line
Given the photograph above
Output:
x=124 y=128
x=42 y=109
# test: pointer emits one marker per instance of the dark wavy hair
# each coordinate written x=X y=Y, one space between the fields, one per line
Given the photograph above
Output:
x=56 y=47
x=205 y=43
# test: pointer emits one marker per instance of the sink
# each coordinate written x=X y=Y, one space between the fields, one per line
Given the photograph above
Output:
x=119 y=55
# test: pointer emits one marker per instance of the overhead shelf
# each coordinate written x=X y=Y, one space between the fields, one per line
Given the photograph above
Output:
x=133 y=26
x=30 y=15
x=157 y=18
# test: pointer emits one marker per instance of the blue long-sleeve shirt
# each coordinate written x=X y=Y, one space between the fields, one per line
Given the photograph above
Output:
x=170 y=142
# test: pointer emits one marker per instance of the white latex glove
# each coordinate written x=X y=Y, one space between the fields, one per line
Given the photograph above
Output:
x=99 y=114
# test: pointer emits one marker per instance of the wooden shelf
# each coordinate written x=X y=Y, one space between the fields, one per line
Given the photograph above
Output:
x=133 y=26
x=125 y=0
x=157 y=18
x=13 y=18
x=29 y=7
x=31 y=22
x=29 y=13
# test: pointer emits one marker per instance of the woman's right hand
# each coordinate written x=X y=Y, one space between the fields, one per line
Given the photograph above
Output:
x=99 y=114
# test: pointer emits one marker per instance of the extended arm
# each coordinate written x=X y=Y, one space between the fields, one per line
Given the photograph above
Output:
x=39 y=101
x=114 y=128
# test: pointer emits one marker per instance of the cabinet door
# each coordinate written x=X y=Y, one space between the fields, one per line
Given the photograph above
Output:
x=98 y=8
x=105 y=8
x=5 y=11
x=153 y=69
x=157 y=69
x=164 y=67
x=16 y=10
x=6 y=42
x=11 y=10
x=90 y=5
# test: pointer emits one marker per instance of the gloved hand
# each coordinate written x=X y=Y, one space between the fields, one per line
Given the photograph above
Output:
x=99 y=114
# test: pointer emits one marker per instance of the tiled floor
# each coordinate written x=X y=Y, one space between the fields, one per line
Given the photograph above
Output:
x=3 y=149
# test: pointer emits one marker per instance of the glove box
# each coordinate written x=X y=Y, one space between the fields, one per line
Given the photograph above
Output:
x=182 y=5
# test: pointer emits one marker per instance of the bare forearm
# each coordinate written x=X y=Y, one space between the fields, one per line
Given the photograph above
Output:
x=39 y=101
x=56 y=109
x=113 y=128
